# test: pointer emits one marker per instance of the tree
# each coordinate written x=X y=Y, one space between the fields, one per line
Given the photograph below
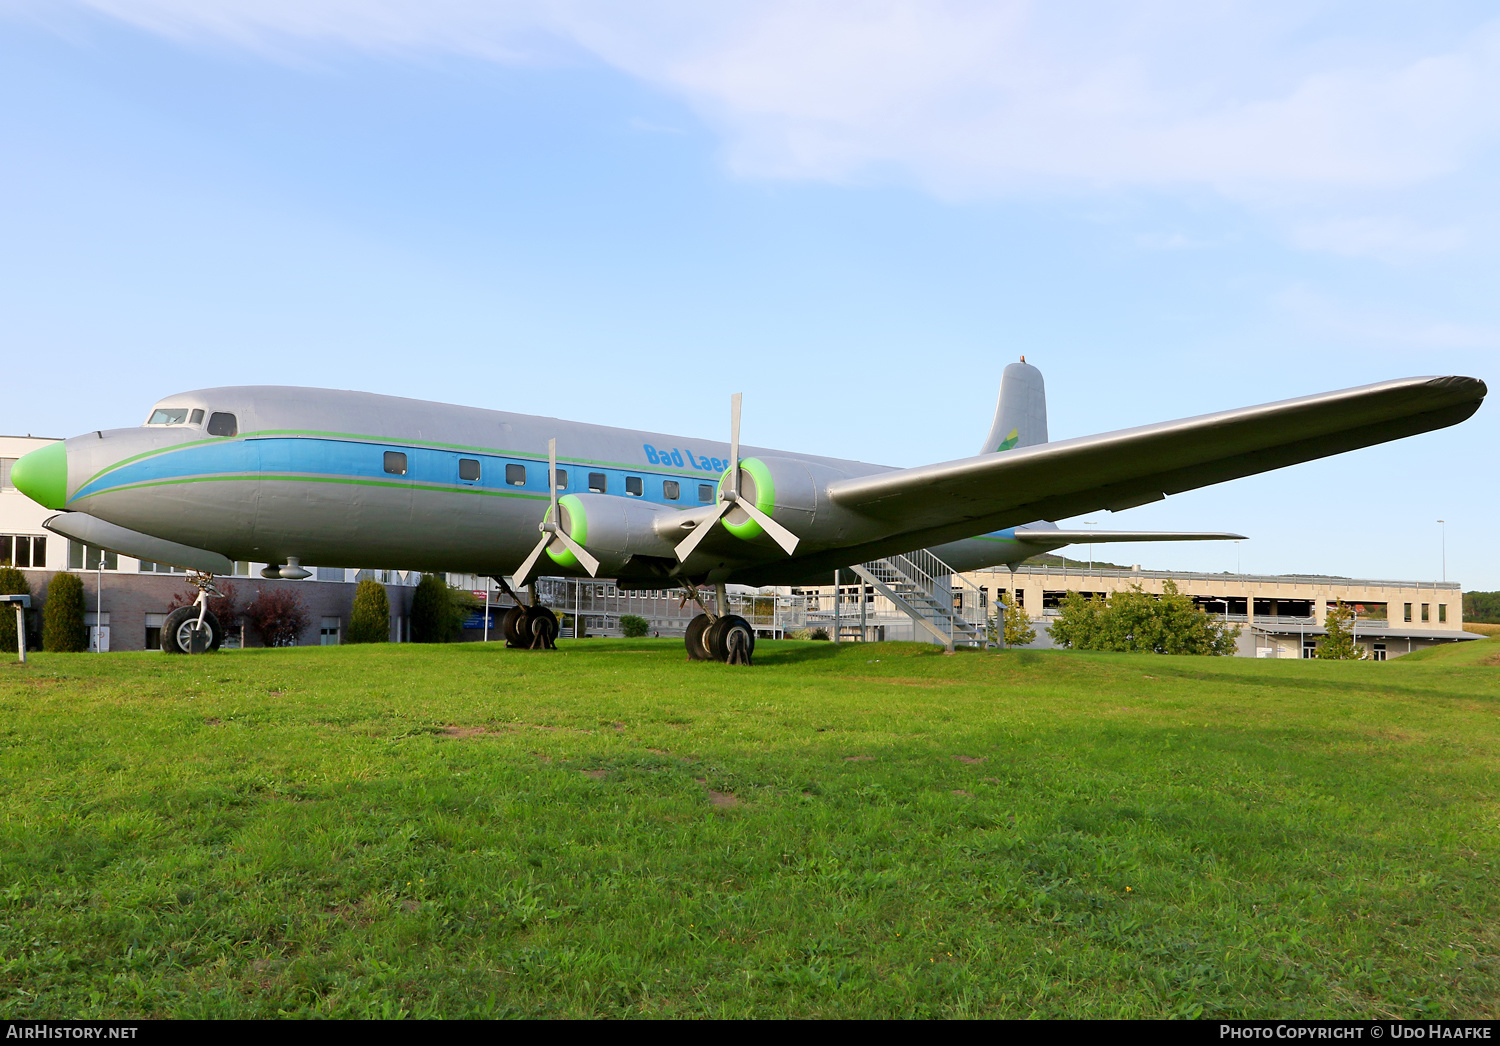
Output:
x=12 y=583
x=1018 y=630
x=63 y=629
x=438 y=612
x=1139 y=621
x=1339 y=644
x=370 y=620
x=278 y=616
x=633 y=626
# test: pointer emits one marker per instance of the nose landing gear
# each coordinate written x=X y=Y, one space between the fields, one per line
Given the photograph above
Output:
x=192 y=629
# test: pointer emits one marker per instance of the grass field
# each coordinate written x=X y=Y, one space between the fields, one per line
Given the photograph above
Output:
x=879 y=831
x=1482 y=628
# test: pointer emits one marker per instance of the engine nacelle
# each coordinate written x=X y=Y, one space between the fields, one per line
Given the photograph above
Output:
x=612 y=528
x=791 y=492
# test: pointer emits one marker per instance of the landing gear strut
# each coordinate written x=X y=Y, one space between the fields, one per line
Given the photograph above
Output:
x=528 y=626
x=192 y=629
x=718 y=636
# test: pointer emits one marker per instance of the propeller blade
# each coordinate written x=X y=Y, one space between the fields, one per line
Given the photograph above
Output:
x=782 y=536
x=525 y=572
x=734 y=443
x=686 y=545
x=589 y=562
x=552 y=476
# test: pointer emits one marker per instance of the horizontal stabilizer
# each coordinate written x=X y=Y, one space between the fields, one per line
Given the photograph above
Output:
x=91 y=530
x=1099 y=537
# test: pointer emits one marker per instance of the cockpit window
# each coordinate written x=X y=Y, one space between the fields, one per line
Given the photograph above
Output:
x=197 y=417
x=168 y=416
x=221 y=424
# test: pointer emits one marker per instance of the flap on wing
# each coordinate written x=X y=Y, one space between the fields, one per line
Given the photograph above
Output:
x=1118 y=470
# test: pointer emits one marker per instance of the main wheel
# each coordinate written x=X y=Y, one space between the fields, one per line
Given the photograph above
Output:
x=697 y=649
x=181 y=627
x=541 y=628
x=513 y=624
x=731 y=639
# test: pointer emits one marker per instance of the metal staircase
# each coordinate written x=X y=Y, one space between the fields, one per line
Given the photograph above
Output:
x=929 y=592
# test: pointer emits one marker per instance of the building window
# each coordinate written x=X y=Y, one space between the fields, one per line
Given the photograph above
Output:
x=1378 y=651
x=1442 y=612
x=515 y=475
x=87 y=557
x=328 y=635
x=5 y=464
x=1424 y=611
x=395 y=463
x=1309 y=648
x=984 y=598
x=670 y=489
x=468 y=470
x=330 y=573
x=241 y=569
x=1407 y=615
x=634 y=487
x=705 y=494
x=148 y=567
x=23 y=550
x=153 y=630
x=597 y=483
x=221 y=424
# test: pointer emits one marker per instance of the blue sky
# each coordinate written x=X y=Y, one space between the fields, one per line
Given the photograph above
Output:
x=856 y=214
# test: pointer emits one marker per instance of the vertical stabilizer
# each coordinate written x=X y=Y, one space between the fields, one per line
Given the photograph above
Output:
x=1020 y=412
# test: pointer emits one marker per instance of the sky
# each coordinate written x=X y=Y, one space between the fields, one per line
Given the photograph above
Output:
x=855 y=213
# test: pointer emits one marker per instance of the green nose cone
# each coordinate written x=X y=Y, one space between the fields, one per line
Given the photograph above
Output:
x=42 y=475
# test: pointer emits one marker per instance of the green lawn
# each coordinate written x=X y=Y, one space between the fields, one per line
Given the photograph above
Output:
x=611 y=830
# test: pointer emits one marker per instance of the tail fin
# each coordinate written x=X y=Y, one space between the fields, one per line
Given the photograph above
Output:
x=1021 y=411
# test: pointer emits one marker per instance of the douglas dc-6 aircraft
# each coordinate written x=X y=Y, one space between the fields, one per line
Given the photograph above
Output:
x=288 y=476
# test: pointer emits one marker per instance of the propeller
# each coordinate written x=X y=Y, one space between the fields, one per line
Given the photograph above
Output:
x=551 y=527
x=729 y=498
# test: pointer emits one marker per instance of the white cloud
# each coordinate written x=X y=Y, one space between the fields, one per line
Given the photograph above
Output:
x=971 y=98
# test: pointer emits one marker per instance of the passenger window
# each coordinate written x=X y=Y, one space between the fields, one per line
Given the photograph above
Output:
x=468 y=469
x=515 y=475
x=395 y=462
x=597 y=482
x=220 y=424
x=633 y=486
x=196 y=418
x=560 y=479
x=670 y=490
x=705 y=493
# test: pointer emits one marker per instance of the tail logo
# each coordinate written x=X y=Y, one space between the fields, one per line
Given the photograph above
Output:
x=1010 y=441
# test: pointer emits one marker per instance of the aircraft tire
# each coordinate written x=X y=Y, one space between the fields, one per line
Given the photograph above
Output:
x=732 y=640
x=694 y=638
x=513 y=625
x=541 y=628
x=177 y=630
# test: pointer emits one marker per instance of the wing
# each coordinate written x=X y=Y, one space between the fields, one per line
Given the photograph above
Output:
x=1103 y=537
x=1119 y=470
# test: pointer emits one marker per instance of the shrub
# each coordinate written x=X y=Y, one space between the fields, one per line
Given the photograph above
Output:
x=633 y=626
x=278 y=616
x=12 y=583
x=1138 y=621
x=370 y=620
x=63 y=629
x=1339 y=644
x=438 y=611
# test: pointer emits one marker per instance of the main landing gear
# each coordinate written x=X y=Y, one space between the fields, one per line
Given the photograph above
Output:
x=718 y=636
x=528 y=626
